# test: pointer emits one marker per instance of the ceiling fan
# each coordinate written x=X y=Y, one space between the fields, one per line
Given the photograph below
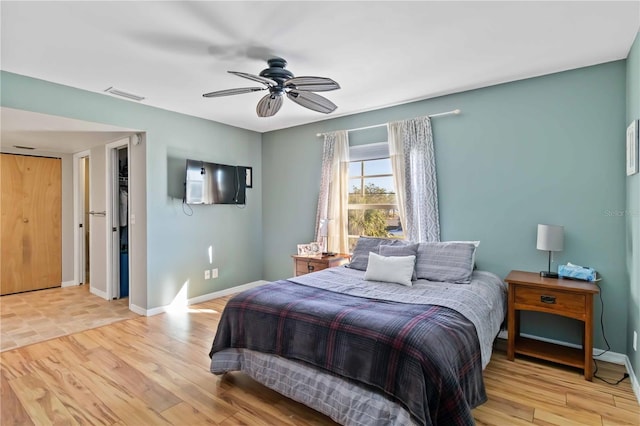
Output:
x=280 y=81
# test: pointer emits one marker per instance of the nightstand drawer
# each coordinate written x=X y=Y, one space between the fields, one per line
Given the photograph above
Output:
x=551 y=300
x=308 y=266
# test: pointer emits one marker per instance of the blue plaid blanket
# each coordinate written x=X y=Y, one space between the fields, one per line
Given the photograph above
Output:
x=425 y=357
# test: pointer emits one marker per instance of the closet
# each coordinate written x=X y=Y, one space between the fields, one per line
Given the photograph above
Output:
x=31 y=225
x=123 y=208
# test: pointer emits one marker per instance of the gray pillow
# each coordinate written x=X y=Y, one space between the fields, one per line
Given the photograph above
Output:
x=364 y=245
x=400 y=250
x=445 y=261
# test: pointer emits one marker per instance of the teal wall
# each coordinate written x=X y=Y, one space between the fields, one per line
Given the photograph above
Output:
x=542 y=150
x=633 y=210
x=177 y=244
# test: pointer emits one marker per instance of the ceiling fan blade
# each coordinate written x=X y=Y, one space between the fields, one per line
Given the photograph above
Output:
x=259 y=79
x=269 y=105
x=237 y=91
x=312 y=101
x=312 y=84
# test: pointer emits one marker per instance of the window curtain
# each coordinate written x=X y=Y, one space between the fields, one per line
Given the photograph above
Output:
x=334 y=192
x=414 y=173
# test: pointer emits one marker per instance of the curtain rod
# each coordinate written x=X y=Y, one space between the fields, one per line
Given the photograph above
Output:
x=440 y=114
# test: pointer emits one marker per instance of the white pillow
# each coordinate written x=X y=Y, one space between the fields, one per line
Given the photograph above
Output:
x=393 y=269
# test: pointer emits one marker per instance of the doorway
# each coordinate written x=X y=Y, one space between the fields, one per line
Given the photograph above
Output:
x=31 y=204
x=123 y=219
x=117 y=166
x=81 y=208
x=87 y=228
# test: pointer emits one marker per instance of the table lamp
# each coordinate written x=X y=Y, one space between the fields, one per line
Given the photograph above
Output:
x=550 y=238
x=323 y=232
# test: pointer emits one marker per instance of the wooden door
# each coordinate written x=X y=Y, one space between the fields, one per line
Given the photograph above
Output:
x=31 y=209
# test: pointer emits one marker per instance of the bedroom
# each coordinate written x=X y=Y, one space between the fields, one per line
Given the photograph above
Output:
x=512 y=154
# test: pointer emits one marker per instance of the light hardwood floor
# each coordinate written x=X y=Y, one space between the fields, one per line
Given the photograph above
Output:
x=154 y=371
x=31 y=317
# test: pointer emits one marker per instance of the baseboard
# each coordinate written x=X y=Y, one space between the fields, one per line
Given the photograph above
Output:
x=98 y=293
x=612 y=357
x=198 y=299
x=138 y=310
x=634 y=379
x=609 y=356
x=71 y=283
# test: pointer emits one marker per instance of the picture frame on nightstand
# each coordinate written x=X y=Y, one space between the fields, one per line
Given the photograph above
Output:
x=632 y=147
x=303 y=249
x=310 y=249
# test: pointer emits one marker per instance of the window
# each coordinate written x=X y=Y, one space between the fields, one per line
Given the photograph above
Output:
x=373 y=209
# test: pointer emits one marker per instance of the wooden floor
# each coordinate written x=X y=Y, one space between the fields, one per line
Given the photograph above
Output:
x=35 y=316
x=154 y=371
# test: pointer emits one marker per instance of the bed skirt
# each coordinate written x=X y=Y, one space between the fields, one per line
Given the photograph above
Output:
x=343 y=401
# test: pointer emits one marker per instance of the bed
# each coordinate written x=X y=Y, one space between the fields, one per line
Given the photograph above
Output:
x=368 y=352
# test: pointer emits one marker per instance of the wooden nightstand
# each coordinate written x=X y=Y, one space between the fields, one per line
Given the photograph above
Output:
x=528 y=291
x=306 y=264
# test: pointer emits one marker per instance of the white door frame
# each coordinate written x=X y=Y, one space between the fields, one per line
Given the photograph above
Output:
x=112 y=194
x=79 y=260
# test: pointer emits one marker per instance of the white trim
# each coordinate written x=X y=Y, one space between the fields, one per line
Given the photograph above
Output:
x=134 y=140
x=198 y=299
x=110 y=178
x=635 y=385
x=612 y=357
x=97 y=292
x=137 y=309
x=71 y=283
x=77 y=235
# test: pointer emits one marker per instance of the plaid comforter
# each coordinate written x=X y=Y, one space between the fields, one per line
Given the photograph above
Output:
x=425 y=357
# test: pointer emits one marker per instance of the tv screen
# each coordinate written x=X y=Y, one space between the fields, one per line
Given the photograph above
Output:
x=213 y=183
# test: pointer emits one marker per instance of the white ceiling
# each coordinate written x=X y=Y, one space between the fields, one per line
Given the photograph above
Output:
x=48 y=133
x=381 y=53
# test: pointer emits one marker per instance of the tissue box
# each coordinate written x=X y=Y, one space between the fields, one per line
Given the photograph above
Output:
x=577 y=272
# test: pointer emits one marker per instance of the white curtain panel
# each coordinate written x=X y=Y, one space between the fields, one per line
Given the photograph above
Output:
x=334 y=191
x=414 y=170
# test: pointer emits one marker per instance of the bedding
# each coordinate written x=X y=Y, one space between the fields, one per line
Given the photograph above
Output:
x=397 y=250
x=390 y=269
x=445 y=261
x=411 y=345
x=365 y=245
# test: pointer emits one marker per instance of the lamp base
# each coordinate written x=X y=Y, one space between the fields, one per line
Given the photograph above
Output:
x=547 y=274
x=328 y=253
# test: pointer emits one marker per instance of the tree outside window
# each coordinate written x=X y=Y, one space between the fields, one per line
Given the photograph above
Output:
x=373 y=208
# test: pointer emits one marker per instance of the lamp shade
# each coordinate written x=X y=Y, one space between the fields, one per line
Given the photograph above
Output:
x=550 y=238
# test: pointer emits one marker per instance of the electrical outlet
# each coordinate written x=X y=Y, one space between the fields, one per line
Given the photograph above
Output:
x=214 y=273
x=207 y=274
x=635 y=340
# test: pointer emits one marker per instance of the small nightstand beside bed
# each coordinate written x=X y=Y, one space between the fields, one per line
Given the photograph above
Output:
x=367 y=352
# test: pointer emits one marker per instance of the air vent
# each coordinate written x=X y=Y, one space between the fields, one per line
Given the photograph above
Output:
x=24 y=147
x=124 y=94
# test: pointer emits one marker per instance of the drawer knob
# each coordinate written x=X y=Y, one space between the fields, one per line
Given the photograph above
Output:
x=548 y=299
x=310 y=268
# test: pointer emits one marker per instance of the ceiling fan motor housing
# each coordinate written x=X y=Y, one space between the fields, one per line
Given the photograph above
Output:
x=277 y=73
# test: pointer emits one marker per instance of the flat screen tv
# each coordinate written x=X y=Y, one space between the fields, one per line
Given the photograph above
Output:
x=213 y=183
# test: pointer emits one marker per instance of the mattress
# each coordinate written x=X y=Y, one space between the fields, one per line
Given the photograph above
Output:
x=355 y=398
